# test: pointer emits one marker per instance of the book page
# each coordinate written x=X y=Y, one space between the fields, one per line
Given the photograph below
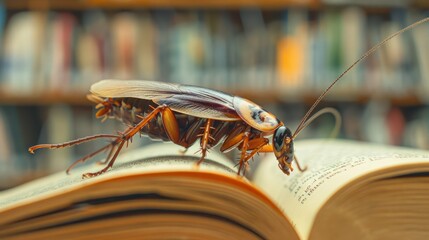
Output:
x=331 y=165
x=153 y=158
x=145 y=184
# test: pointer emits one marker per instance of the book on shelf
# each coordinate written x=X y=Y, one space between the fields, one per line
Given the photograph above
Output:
x=292 y=47
x=20 y=57
x=124 y=30
x=351 y=190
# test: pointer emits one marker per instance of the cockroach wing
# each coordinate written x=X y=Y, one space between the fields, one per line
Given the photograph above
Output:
x=191 y=100
x=202 y=102
x=134 y=89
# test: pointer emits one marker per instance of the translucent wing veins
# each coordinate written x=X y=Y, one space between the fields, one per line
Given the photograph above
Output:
x=134 y=89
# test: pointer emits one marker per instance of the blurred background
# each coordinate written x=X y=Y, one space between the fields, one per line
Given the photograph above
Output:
x=280 y=54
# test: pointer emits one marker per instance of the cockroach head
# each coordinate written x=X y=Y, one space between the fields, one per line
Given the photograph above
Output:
x=283 y=148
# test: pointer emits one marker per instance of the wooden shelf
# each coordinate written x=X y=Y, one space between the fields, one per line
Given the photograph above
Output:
x=188 y=4
x=135 y=4
x=363 y=98
x=45 y=99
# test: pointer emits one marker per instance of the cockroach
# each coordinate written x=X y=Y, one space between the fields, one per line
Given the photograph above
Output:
x=184 y=114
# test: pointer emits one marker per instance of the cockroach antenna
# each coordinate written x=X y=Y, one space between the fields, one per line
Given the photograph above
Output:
x=303 y=122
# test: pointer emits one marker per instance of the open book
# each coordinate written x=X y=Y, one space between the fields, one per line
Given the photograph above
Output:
x=351 y=190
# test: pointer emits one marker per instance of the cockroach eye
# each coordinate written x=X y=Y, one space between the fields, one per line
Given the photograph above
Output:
x=282 y=143
x=278 y=138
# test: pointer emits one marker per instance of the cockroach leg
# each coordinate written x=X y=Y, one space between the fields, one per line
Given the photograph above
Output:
x=256 y=145
x=125 y=137
x=235 y=138
x=70 y=143
x=106 y=160
x=83 y=159
x=245 y=145
x=266 y=149
x=205 y=137
x=302 y=169
x=111 y=161
x=115 y=146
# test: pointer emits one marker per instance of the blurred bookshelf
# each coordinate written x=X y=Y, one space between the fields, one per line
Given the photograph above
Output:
x=280 y=54
x=136 y=4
